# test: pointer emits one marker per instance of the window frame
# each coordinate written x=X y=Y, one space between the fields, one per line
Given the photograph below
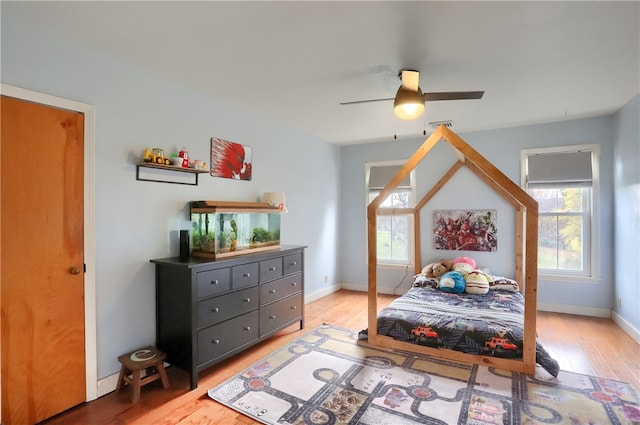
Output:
x=590 y=271
x=388 y=263
x=585 y=214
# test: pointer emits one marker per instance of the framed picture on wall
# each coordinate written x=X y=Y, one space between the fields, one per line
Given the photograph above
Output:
x=465 y=230
x=230 y=160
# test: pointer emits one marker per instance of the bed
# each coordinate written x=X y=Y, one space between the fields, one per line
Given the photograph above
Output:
x=491 y=324
x=389 y=332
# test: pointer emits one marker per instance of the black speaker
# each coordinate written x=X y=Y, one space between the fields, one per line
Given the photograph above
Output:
x=184 y=245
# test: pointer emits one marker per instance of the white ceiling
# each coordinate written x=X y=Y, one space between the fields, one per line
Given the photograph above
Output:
x=296 y=61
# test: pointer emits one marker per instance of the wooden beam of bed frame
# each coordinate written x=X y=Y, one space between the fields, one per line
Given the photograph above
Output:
x=526 y=243
x=416 y=215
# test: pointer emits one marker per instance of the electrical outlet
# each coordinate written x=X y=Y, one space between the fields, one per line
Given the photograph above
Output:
x=619 y=303
x=326 y=278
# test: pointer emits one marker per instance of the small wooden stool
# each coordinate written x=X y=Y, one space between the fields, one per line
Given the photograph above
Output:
x=148 y=359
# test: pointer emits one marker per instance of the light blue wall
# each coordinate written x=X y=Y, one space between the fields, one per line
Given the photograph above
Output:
x=501 y=147
x=627 y=211
x=137 y=221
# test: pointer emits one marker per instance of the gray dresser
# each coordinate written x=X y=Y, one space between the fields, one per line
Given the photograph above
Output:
x=209 y=310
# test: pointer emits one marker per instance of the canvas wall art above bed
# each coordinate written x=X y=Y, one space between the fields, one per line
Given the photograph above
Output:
x=465 y=230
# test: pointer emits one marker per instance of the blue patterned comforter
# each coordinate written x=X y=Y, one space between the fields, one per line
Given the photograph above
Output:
x=489 y=325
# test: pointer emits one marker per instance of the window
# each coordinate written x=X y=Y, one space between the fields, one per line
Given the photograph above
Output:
x=564 y=181
x=395 y=226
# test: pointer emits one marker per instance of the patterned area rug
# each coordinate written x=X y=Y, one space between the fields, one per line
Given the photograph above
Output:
x=328 y=377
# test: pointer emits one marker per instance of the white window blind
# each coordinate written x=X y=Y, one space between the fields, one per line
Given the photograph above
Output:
x=571 y=168
x=380 y=175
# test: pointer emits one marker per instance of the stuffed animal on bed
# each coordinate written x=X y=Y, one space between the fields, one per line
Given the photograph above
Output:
x=464 y=265
x=447 y=263
x=437 y=269
x=476 y=283
x=503 y=284
x=452 y=282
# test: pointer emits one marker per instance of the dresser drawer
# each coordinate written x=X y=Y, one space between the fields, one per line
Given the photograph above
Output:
x=279 y=289
x=220 y=339
x=270 y=269
x=277 y=314
x=244 y=275
x=292 y=263
x=211 y=282
x=215 y=310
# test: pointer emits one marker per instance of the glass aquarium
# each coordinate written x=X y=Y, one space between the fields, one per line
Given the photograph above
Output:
x=223 y=229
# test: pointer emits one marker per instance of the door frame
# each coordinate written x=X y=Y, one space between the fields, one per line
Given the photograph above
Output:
x=90 y=323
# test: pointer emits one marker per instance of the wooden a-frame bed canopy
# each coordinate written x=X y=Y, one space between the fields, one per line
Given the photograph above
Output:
x=526 y=243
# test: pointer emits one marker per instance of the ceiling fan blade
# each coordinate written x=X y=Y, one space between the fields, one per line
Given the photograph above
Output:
x=430 y=97
x=410 y=80
x=453 y=95
x=354 y=102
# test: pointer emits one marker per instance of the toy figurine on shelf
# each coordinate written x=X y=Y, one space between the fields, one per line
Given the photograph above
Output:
x=156 y=155
x=185 y=157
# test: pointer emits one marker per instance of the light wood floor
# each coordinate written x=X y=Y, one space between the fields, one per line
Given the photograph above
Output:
x=586 y=345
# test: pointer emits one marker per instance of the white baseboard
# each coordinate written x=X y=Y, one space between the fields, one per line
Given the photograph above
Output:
x=363 y=287
x=323 y=293
x=108 y=384
x=626 y=327
x=575 y=309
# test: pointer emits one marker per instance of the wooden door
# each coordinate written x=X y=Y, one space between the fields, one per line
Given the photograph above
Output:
x=42 y=254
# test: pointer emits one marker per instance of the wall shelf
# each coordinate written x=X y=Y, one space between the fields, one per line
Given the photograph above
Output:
x=164 y=173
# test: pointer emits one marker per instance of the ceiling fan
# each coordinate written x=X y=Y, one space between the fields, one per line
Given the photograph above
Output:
x=409 y=101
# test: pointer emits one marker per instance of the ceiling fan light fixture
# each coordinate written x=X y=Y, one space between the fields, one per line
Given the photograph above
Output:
x=408 y=104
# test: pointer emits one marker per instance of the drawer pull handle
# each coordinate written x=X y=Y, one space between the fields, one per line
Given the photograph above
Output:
x=272 y=317
x=215 y=282
x=215 y=341
x=272 y=269
x=293 y=307
x=294 y=284
x=215 y=310
x=293 y=263
x=247 y=328
x=247 y=274
x=272 y=291
x=247 y=300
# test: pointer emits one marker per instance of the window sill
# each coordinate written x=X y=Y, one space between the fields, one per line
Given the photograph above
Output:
x=395 y=266
x=568 y=279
